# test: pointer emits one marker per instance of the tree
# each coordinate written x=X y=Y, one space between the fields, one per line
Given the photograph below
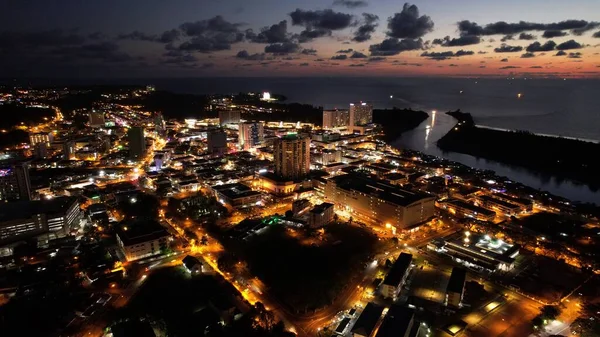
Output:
x=550 y=312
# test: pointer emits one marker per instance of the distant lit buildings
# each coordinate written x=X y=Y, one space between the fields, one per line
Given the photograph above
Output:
x=229 y=117
x=251 y=134
x=96 y=119
x=375 y=201
x=159 y=124
x=467 y=210
x=40 y=137
x=15 y=183
x=25 y=219
x=137 y=142
x=336 y=119
x=291 y=154
x=360 y=114
x=393 y=282
x=142 y=240
x=216 y=141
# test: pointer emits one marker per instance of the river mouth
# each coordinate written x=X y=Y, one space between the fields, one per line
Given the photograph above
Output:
x=424 y=137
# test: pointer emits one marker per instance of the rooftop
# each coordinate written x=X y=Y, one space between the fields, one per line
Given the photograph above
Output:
x=235 y=190
x=390 y=193
x=457 y=280
x=396 y=322
x=321 y=208
x=365 y=324
x=470 y=207
x=27 y=208
x=142 y=231
x=398 y=270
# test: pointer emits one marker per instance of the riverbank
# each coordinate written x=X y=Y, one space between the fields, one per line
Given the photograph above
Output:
x=397 y=121
x=563 y=158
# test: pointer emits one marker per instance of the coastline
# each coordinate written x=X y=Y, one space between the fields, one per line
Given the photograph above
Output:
x=397 y=121
x=563 y=158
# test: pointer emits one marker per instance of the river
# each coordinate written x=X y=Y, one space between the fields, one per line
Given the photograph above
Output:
x=423 y=138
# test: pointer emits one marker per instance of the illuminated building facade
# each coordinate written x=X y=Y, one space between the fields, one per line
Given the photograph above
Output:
x=250 y=135
x=15 y=183
x=292 y=156
x=336 y=119
x=361 y=114
x=41 y=137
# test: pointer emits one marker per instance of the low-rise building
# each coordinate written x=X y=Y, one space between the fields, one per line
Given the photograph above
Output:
x=378 y=202
x=320 y=215
x=142 y=239
x=192 y=264
x=499 y=206
x=300 y=206
x=393 y=282
x=456 y=287
x=38 y=218
x=236 y=195
x=464 y=209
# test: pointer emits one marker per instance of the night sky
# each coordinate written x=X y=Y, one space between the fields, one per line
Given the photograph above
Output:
x=195 y=38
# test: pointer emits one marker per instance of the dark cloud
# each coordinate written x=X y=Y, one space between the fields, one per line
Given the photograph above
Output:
x=377 y=59
x=526 y=36
x=243 y=54
x=577 y=27
x=481 y=52
x=465 y=40
x=536 y=67
x=210 y=35
x=319 y=23
x=305 y=64
x=345 y=51
x=439 y=56
x=548 y=34
x=408 y=24
x=596 y=34
x=180 y=59
x=453 y=65
x=504 y=48
x=168 y=36
x=277 y=33
x=571 y=44
x=507 y=37
x=527 y=55
x=351 y=3
x=575 y=55
x=504 y=60
x=357 y=65
x=393 y=46
x=509 y=67
x=368 y=26
x=339 y=57
x=309 y=51
x=536 y=46
x=358 y=55
x=561 y=53
x=282 y=48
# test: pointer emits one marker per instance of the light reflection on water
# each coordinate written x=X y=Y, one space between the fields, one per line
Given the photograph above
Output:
x=424 y=137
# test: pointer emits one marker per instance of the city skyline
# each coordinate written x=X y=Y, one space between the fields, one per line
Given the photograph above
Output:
x=272 y=38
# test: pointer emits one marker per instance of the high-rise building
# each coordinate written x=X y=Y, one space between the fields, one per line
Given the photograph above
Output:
x=15 y=183
x=96 y=119
x=137 y=142
x=41 y=137
x=251 y=134
x=335 y=118
x=68 y=150
x=229 y=117
x=216 y=141
x=159 y=124
x=292 y=156
x=41 y=150
x=361 y=114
